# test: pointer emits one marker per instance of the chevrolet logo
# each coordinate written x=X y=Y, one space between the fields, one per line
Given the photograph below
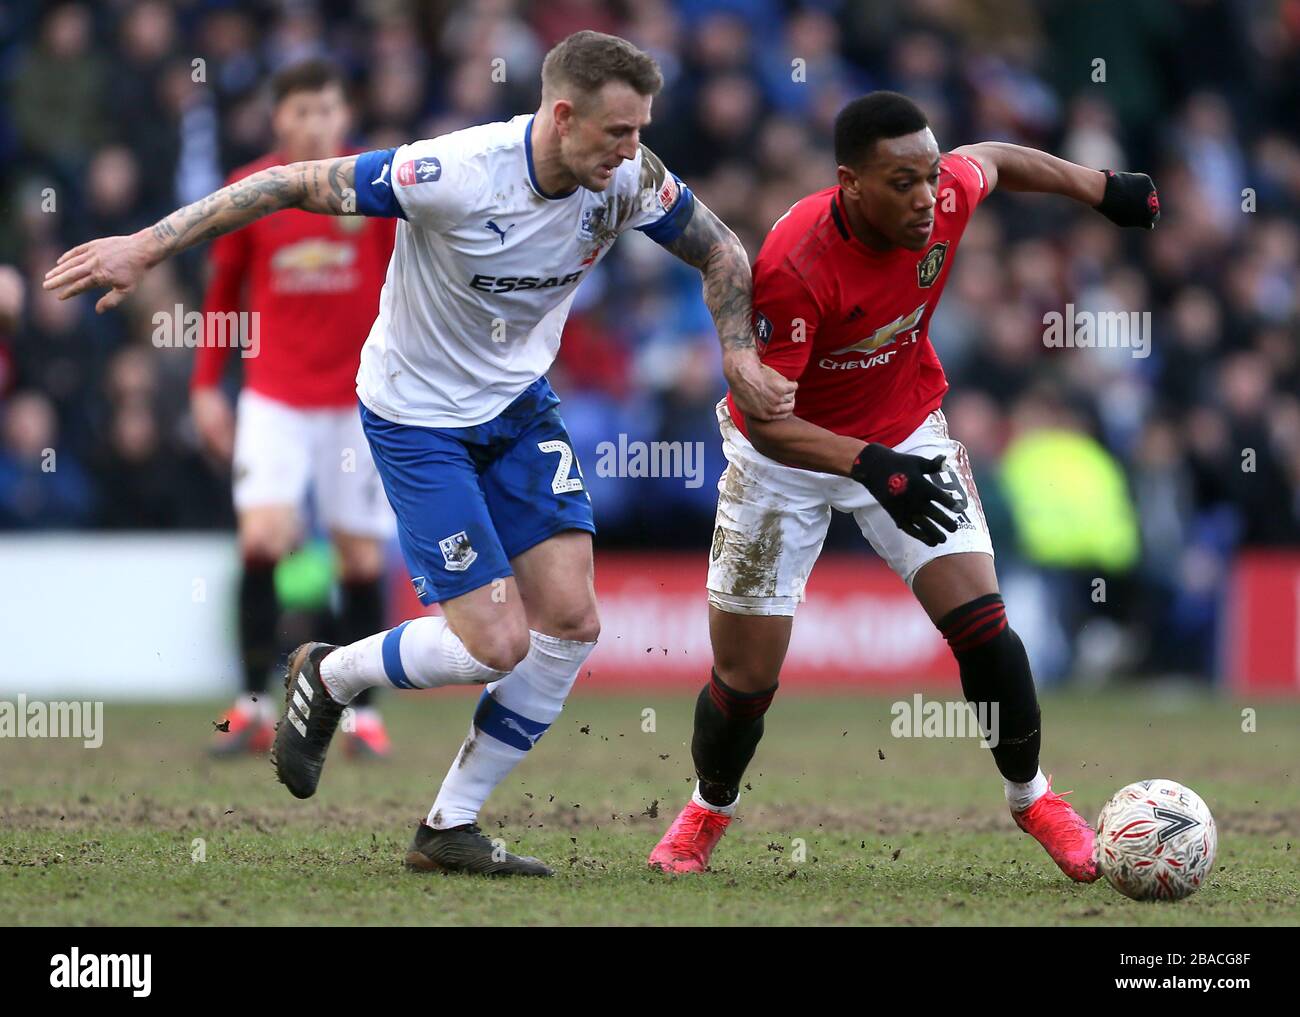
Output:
x=884 y=335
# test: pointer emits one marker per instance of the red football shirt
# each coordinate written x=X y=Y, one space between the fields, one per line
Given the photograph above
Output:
x=851 y=324
x=315 y=279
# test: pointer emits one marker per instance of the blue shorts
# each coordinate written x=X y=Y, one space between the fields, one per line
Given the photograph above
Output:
x=469 y=499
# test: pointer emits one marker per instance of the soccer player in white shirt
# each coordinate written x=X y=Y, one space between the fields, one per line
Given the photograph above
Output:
x=498 y=225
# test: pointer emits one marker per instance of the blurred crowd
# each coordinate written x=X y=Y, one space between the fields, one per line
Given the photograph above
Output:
x=117 y=112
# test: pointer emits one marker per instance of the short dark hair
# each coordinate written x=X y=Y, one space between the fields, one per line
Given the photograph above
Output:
x=587 y=60
x=866 y=120
x=306 y=76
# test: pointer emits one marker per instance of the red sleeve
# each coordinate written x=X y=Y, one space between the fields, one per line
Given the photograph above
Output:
x=228 y=261
x=785 y=319
x=968 y=175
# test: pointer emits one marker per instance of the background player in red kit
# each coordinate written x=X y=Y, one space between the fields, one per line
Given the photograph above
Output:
x=315 y=281
x=844 y=289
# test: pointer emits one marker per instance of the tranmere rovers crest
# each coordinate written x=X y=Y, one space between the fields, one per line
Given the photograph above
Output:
x=593 y=219
x=929 y=267
x=457 y=552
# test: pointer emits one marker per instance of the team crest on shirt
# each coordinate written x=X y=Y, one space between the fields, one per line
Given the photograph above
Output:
x=593 y=220
x=457 y=552
x=929 y=267
x=594 y=229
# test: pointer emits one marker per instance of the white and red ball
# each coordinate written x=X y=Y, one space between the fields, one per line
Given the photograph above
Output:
x=1156 y=840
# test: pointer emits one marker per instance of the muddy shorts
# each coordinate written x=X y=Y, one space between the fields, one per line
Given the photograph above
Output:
x=772 y=520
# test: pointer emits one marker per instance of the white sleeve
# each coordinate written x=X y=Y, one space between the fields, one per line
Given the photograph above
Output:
x=661 y=205
x=432 y=183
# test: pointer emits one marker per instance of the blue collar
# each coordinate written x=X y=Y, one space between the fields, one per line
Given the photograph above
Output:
x=532 y=173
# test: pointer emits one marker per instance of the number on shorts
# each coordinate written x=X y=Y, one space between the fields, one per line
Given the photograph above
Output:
x=947 y=479
x=563 y=483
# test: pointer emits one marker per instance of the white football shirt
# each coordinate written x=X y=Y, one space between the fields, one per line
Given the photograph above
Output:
x=485 y=266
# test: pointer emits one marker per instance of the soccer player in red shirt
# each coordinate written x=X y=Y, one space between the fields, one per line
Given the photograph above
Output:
x=844 y=290
x=314 y=283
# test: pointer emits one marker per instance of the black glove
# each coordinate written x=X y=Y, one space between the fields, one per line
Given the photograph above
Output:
x=898 y=482
x=1130 y=200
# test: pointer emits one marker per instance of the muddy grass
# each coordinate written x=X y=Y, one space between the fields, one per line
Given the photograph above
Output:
x=392 y=815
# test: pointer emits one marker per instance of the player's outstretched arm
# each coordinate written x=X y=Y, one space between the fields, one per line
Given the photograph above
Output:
x=1126 y=199
x=118 y=263
x=706 y=242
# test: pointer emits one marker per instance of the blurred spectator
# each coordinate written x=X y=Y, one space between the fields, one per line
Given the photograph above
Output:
x=41 y=486
x=113 y=203
x=1076 y=528
x=58 y=87
x=144 y=483
x=11 y=313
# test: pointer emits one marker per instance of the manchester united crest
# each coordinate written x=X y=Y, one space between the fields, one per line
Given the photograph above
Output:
x=929 y=267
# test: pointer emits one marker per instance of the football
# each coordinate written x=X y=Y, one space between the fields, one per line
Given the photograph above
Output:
x=1156 y=840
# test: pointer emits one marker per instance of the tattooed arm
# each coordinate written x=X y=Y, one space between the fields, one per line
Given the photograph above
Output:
x=710 y=246
x=118 y=263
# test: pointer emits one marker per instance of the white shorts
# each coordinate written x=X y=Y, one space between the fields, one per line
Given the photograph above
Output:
x=772 y=520
x=281 y=451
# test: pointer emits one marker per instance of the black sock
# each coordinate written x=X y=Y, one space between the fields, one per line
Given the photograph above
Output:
x=259 y=621
x=361 y=614
x=995 y=673
x=728 y=726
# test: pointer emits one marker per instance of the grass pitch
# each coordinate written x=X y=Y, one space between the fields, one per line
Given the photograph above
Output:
x=148 y=830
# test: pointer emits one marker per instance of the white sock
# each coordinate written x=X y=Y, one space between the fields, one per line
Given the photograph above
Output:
x=422 y=653
x=1021 y=796
x=722 y=810
x=511 y=716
